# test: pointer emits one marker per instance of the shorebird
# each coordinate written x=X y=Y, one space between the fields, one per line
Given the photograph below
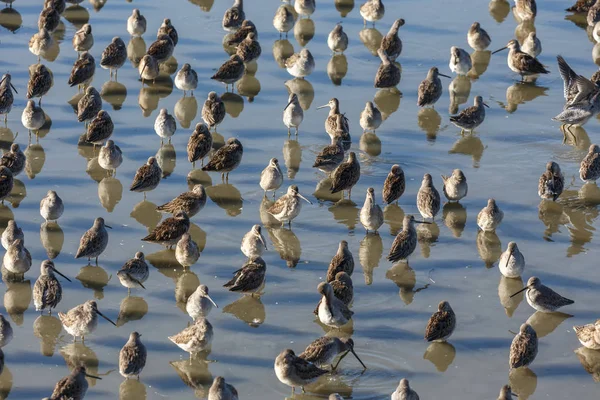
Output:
x=6 y=183
x=89 y=105
x=110 y=156
x=372 y=11
x=195 y=338
x=478 y=38
x=49 y=19
x=11 y=233
x=6 y=331
x=551 y=183
x=271 y=178
x=230 y=72
x=428 y=198
x=6 y=95
x=14 y=159
x=332 y=311
x=147 y=177
x=82 y=319
x=134 y=272
x=301 y=64
x=73 y=386
x=234 y=16
x=324 y=350
x=541 y=297
x=213 y=110
x=58 y=5
x=460 y=61
x=51 y=206
x=33 y=117
x=331 y=122
x=342 y=261
x=148 y=68
x=490 y=216
x=520 y=62
x=532 y=45
x=187 y=251
x=471 y=117
x=455 y=186
x=186 y=79
x=331 y=156
x=47 y=291
x=593 y=14
x=525 y=10
x=283 y=20
x=371 y=216
x=293 y=113
x=40 y=82
x=166 y=28
x=370 y=118
x=337 y=40
x=404 y=392
x=249 y=49
x=241 y=34
x=343 y=289
x=304 y=7
x=294 y=371
x=589 y=169
x=168 y=232
x=441 y=324
x=430 y=89
x=199 y=144
x=581 y=6
x=288 y=206
x=83 y=39
x=100 y=128
x=388 y=74
x=512 y=262
x=114 y=56
x=405 y=242
x=394 y=185
x=199 y=304
x=83 y=70
x=226 y=159
x=17 y=259
x=506 y=393
x=346 y=175
x=165 y=125
x=191 y=202
x=162 y=48
x=391 y=43
x=221 y=390
x=250 y=278
x=132 y=357
x=589 y=335
x=40 y=43
x=136 y=23
x=94 y=241
x=523 y=348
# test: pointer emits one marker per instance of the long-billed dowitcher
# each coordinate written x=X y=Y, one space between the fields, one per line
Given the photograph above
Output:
x=372 y=11
x=221 y=390
x=165 y=125
x=136 y=23
x=187 y=251
x=168 y=232
x=455 y=186
x=337 y=40
x=325 y=349
x=186 y=79
x=343 y=289
x=371 y=216
x=506 y=393
x=532 y=45
x=6 y=183
x=577 y=89
x=89 y=105
x=199 y=304
x=589 y=335
x=541 y=297
x=195 y=338
x=148 y=68
x=552 y=182
x=199 y=144
x=14 y=159
x=47 y=290
x=589 y=168
x=293 y=113
x=94 y=241
x=524 y=347
x=430 y=89
x=17 y=258
x=249 y=49
x=404 y=391
x=283 y=20
x=370 y=118
x=253 y=243
x=288 y=206
x=233 y=17
x=226 y=159
x=162 y=48
x=471 y=117
x=51 y=206
x=147 y=177
x=441 y=324
x=167 y=28
x=331 y=156
x=305 y=7
x=191 y=202
x=478 y=38
x=110 y=156
x=73 y=386
x=250 y=278
x=40 y=43
x=512 y=262
x=114 y=56
x=213 y=110
x=460 y=61
x=83 y=70
x=294 y=371
x=33 y=117
x=49 y=19
x=83 y=39
x=271 y=178
x=346 y=175
x=6 y=95
x=82 y=319
x=58 y=5
x=40 y=82
x=593 y=14
x=388 y=74
x=241 y=34
x=332 y=311
x=342 y=261
x=391 y=44
x=6 y=331
x=100 y=128
x=394 y=185
x=405 y=242
x=301 y=64
x=331 y=122
x=11 y=233
x=490 y=216
x=428 y=198
x=134 y=272
x=520 y=62
x=132 y=357
x=230 y=72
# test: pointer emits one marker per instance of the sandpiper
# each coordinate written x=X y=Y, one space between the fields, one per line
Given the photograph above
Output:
x=253 y=243
x=337 y=40
x=305 y=7
x=195 y=338
x=325 y=349
x=187 y=251
x=288 y=206
x=471 y=117
x=83 y=70
x=49 y=19
x=430 y=89
x=73 y=386
x=388 y=74
x=455 y=186
x=346 y=175
x=134 y=272
x=14 y=159
x=405 y=242
x=552 y=182
x=132 y=357
x=589 y=335
x=226 y=159
x=6 y=95
x=89 y=105
x=33 y=117
x=331 y=123
x=506 y=393
x=460 y=61
x=199 y=144
x=520 y=62
x=512 y=262
x=250 y=278
x=490 y=216
x=162 y=48
x=371 y=216
x=525 y=10
x=83 y=39
x=186 y=79
x=47 y=291
x=372 y=11
x=478 y=38
x=589 y=169
x=532 y=45
x=294 y=371
x=300 y=64
x=51 y=206
x=523 y=348
x=11 y=233
x=6 y=183
x=170 y=230
x=136 y=23
x=249 y=49
x=148 y=68
x=332 y=311
x=428 y=198
x=147 y=177
x=6 y=331
x=17 y=258
x=199 y=303
x=271 y=178
x=40 y=82
x=58 y=5
x=370 y=118
x=578 y=90
x=82 y=319
x=213 y=110
x=191 y=202
x=343 y=289
x=404 y=391
x=293 y=113
x=283 y=20
x=94 y=241
x=391 y=43
x=166 y=28
x=342 y=261
x=100 y=128
x=441 y=324
x=331 y=156
x=110 y=156
x=394 y=185
x=165 y=125
x=234 y=16
x=114 y=56
x=541 y=297
x=40 y=43
x=230 y=72
x=593 y=14
x=241 y=34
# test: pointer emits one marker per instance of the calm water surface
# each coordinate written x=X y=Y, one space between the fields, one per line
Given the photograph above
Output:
x=503 y=160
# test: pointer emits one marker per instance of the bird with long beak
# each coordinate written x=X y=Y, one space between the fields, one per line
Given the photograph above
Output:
x=325 y=349
x=331 y=125
x=405 y=242
x=512 y=262
x=332 y=311
x=199 y=304
x=520 y=62
x=430 y=89
x=6 y=95
x=541 y=297
x=294 y=371
x=293 y=113
x=73 y=386
x=82 y=320
x=253 y=243
x=471 y=117
x=288 y=206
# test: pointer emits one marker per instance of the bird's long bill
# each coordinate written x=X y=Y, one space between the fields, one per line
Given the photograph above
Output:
x=499 y=50
x=92 y=376
x=326 y=105
x=13 y=88
x=445 y=76
x=288 y=104
x=262 y=240
x=359 y=360
x=60 y=273
x=106 y=226
x=106 y=318
x=485 y=105
x=143 y=69
x=137 y=281
x=212 y=301
x=522 y=290
x=422 y=222
x=304 y=198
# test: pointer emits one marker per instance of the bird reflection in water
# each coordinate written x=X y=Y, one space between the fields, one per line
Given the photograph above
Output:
x=292 y=156
x=205 y=5
x=545 y=323
x=47 y=328
x=303 y=89
x=393 y=215
x=304 y=31
x=7 y=137
x=469 y=145
x=136 y=49
x=440 y=354
x=287 y=244
x=345 y=212
x=499 y=10
x=6 y=383
x=234 y=104
x=480 y=61
x=152 y=92
x=459 y=89
x=16 y=298
x=146 y=214
x=429 y=121
x=406 y=279
x=323 y=191
x=77 y=15
x=17 y=194
x=427 y=235
x=282 y=50
x=166 y=159
x=185 y=285
x=195 y=374
x=454 y=216
x=197 y=176
x=10 y=19
x=132 y=308
x=249 y=85
x=575 y=136
x=522 y=381
x=506 y=288
x=370 y=252
x=248 y=309
x=35 y=159
x=589 y=359
x=266 y=219
x=226 y=196
x=110 y=192
x=6 y=215
x=488 y=247
x=95 y=278
x=371 y=38
x=52 y=238
x=521 y=93
x=114 y=93
x=337 y=68
x=344 y=7
x=132 y=389
x=186 y=110
x=387 y=101
x=370 y=144
x=76 y=354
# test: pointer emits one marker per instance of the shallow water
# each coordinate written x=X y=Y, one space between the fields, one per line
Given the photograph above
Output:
x=392 y=303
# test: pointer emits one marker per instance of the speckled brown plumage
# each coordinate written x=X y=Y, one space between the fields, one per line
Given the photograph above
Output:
x=14 y=159
x=524 y=347
x=341 y=261
x=89 y=105
x=170 y=230
x=346 y=175
x=161 y=49
x=342 y=287
x=428 y=198
x=551 y=183
x=249 y=49
x=73 y=386
x=589 y=169
x=132 y=357
x=49 y=19
x=147 y=177
x=47 y=290
x=331 y=156
x=405 y=242
x=190 y=202
x=430 y=89
x=391 y=43
x=199 y=144
x=295 y=371
x=241 y=34
x=322 y=351
x=168 y=29
x=249 y=278
x=231 y=71
x=441 y=324
x=40 y=81
x=83 y=70
x=388 y=74
x=213 y=110
x=227 y=158
x=100 y=128
x=581 y=6
x=394 y=185
x=114 y=55
x=6 y=182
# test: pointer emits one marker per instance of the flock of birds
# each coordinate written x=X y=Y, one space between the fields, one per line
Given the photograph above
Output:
x=582 y=101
